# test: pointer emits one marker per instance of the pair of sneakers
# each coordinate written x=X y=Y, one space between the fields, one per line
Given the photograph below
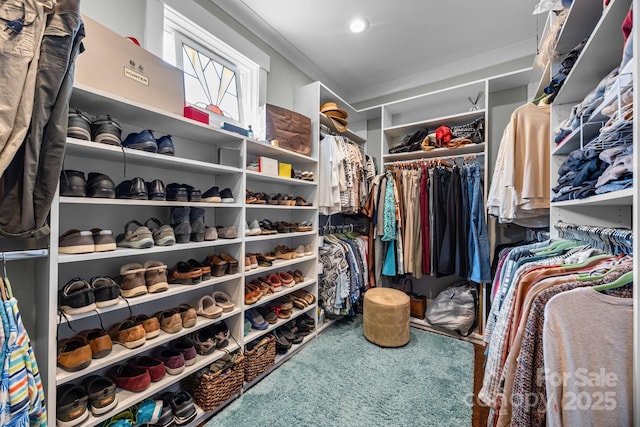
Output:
x=102 y=128
x=146 y=141
x=96 y=395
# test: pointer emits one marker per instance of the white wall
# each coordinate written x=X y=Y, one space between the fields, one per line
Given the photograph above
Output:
x=125 y=17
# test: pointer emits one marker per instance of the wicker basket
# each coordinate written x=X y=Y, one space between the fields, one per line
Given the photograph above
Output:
x=211 y=390
x=258 y=359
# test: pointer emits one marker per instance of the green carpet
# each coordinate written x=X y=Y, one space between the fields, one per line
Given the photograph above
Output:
x=341 y=379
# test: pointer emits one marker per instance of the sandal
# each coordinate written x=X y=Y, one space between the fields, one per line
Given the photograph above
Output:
x=251 y=294
x=207 y=307
x=308 y=297
x=269 y=316
x=301 y=202
x=297 y=302
x=223 y=300
x=304 y=226
x=290 y=335
x=267 y=227
x=298 y=276
x=261 y=198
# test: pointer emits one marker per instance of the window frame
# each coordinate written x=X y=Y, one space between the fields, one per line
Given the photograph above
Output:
x=247 y=71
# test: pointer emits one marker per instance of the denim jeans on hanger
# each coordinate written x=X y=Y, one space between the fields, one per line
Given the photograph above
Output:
x=481 y=266
x=32 y=177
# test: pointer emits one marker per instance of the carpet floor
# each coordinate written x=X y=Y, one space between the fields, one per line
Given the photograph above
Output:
x=341 y=379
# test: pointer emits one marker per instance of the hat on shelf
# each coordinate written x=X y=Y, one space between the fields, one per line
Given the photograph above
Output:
x=337 y=115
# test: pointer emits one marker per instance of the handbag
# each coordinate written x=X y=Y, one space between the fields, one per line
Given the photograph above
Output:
x=417 y=303
x=473 y=131
x=455 y=309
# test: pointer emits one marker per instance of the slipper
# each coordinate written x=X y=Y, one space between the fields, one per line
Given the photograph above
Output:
x=207 y=307
x=290 y=335
x=308 y=297
x=251 y=294
x=257 y=321
x=282 y=344
x=297 y=302
x=223 y=300
x=269 y=316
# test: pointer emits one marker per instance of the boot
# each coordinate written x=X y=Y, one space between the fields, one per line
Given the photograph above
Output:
x=180 y=223
x=197 y=224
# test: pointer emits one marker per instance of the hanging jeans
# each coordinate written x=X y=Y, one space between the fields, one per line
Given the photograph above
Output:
x=32 y=176
x=480 y=266
x=19 y=53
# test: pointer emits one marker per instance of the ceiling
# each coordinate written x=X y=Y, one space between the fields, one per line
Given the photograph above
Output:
x=409 y=43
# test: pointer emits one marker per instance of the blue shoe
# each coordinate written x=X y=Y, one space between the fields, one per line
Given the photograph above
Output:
x=144 y=141
x=165 y=146
x=256 y=319
x=147 y=412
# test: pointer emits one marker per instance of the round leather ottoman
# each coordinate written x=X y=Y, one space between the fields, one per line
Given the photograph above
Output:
x=386 y=317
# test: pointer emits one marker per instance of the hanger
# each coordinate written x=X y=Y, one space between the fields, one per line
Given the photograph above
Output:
x=587 y=261
x=556 y=247
x=621 y=281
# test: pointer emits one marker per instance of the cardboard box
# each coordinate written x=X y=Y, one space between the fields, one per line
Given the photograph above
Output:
x=115 y=65
x=268 y=166
x=284 y=170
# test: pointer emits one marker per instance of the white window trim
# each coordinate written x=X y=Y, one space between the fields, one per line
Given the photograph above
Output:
x=213 y=26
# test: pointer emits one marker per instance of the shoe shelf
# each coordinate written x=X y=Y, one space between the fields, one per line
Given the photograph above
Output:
x=126 y=252
x=80 y=147
x=158 y=296
x=127 y=398
x=399 y=131
x=603 y=48
x=284 y=291
x=277 y=236
x=120 y=353
x=127 y=202
x=148 y=117
x=254 y=334
x=279 y=264
x=287 y=208
x=436 y=153
x=260 y=177
x=280 y=359
x=615 y=198
x=258 y=149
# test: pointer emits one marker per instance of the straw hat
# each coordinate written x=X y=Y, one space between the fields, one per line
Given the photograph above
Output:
x=331 y=109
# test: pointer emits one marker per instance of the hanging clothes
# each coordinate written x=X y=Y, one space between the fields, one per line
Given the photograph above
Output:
x=527 y=279
x=344 y=272
x=429 y=219
x=31 y=178
x=519 y=191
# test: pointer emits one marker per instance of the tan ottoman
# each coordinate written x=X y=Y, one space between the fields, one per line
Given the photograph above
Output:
x=386 y=317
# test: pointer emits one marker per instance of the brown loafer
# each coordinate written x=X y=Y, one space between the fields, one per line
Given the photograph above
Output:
x=128 y=334
x=151 y=325
x=74 y=353
x=170 y=321
x=185 y=274
x=99 y=341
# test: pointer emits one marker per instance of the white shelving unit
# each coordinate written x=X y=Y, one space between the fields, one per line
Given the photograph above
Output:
x=601 y=54
x=449 y=107
x=200 y=150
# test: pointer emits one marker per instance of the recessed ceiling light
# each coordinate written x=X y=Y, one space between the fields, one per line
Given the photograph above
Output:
x=358 y=25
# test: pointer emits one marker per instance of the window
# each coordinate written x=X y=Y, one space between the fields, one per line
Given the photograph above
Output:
x=217 y=78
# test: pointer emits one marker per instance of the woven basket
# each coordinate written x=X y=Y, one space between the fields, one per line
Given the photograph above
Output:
x=211 y=390
x=259 y=359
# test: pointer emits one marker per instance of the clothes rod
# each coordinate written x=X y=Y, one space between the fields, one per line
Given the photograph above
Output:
x=426 y=159
x=28 y=254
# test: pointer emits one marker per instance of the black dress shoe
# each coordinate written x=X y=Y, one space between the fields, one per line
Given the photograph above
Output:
x=73 y=183
x=177 y=192
x=155 y=190
x=132 y=189
x=101 y=186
